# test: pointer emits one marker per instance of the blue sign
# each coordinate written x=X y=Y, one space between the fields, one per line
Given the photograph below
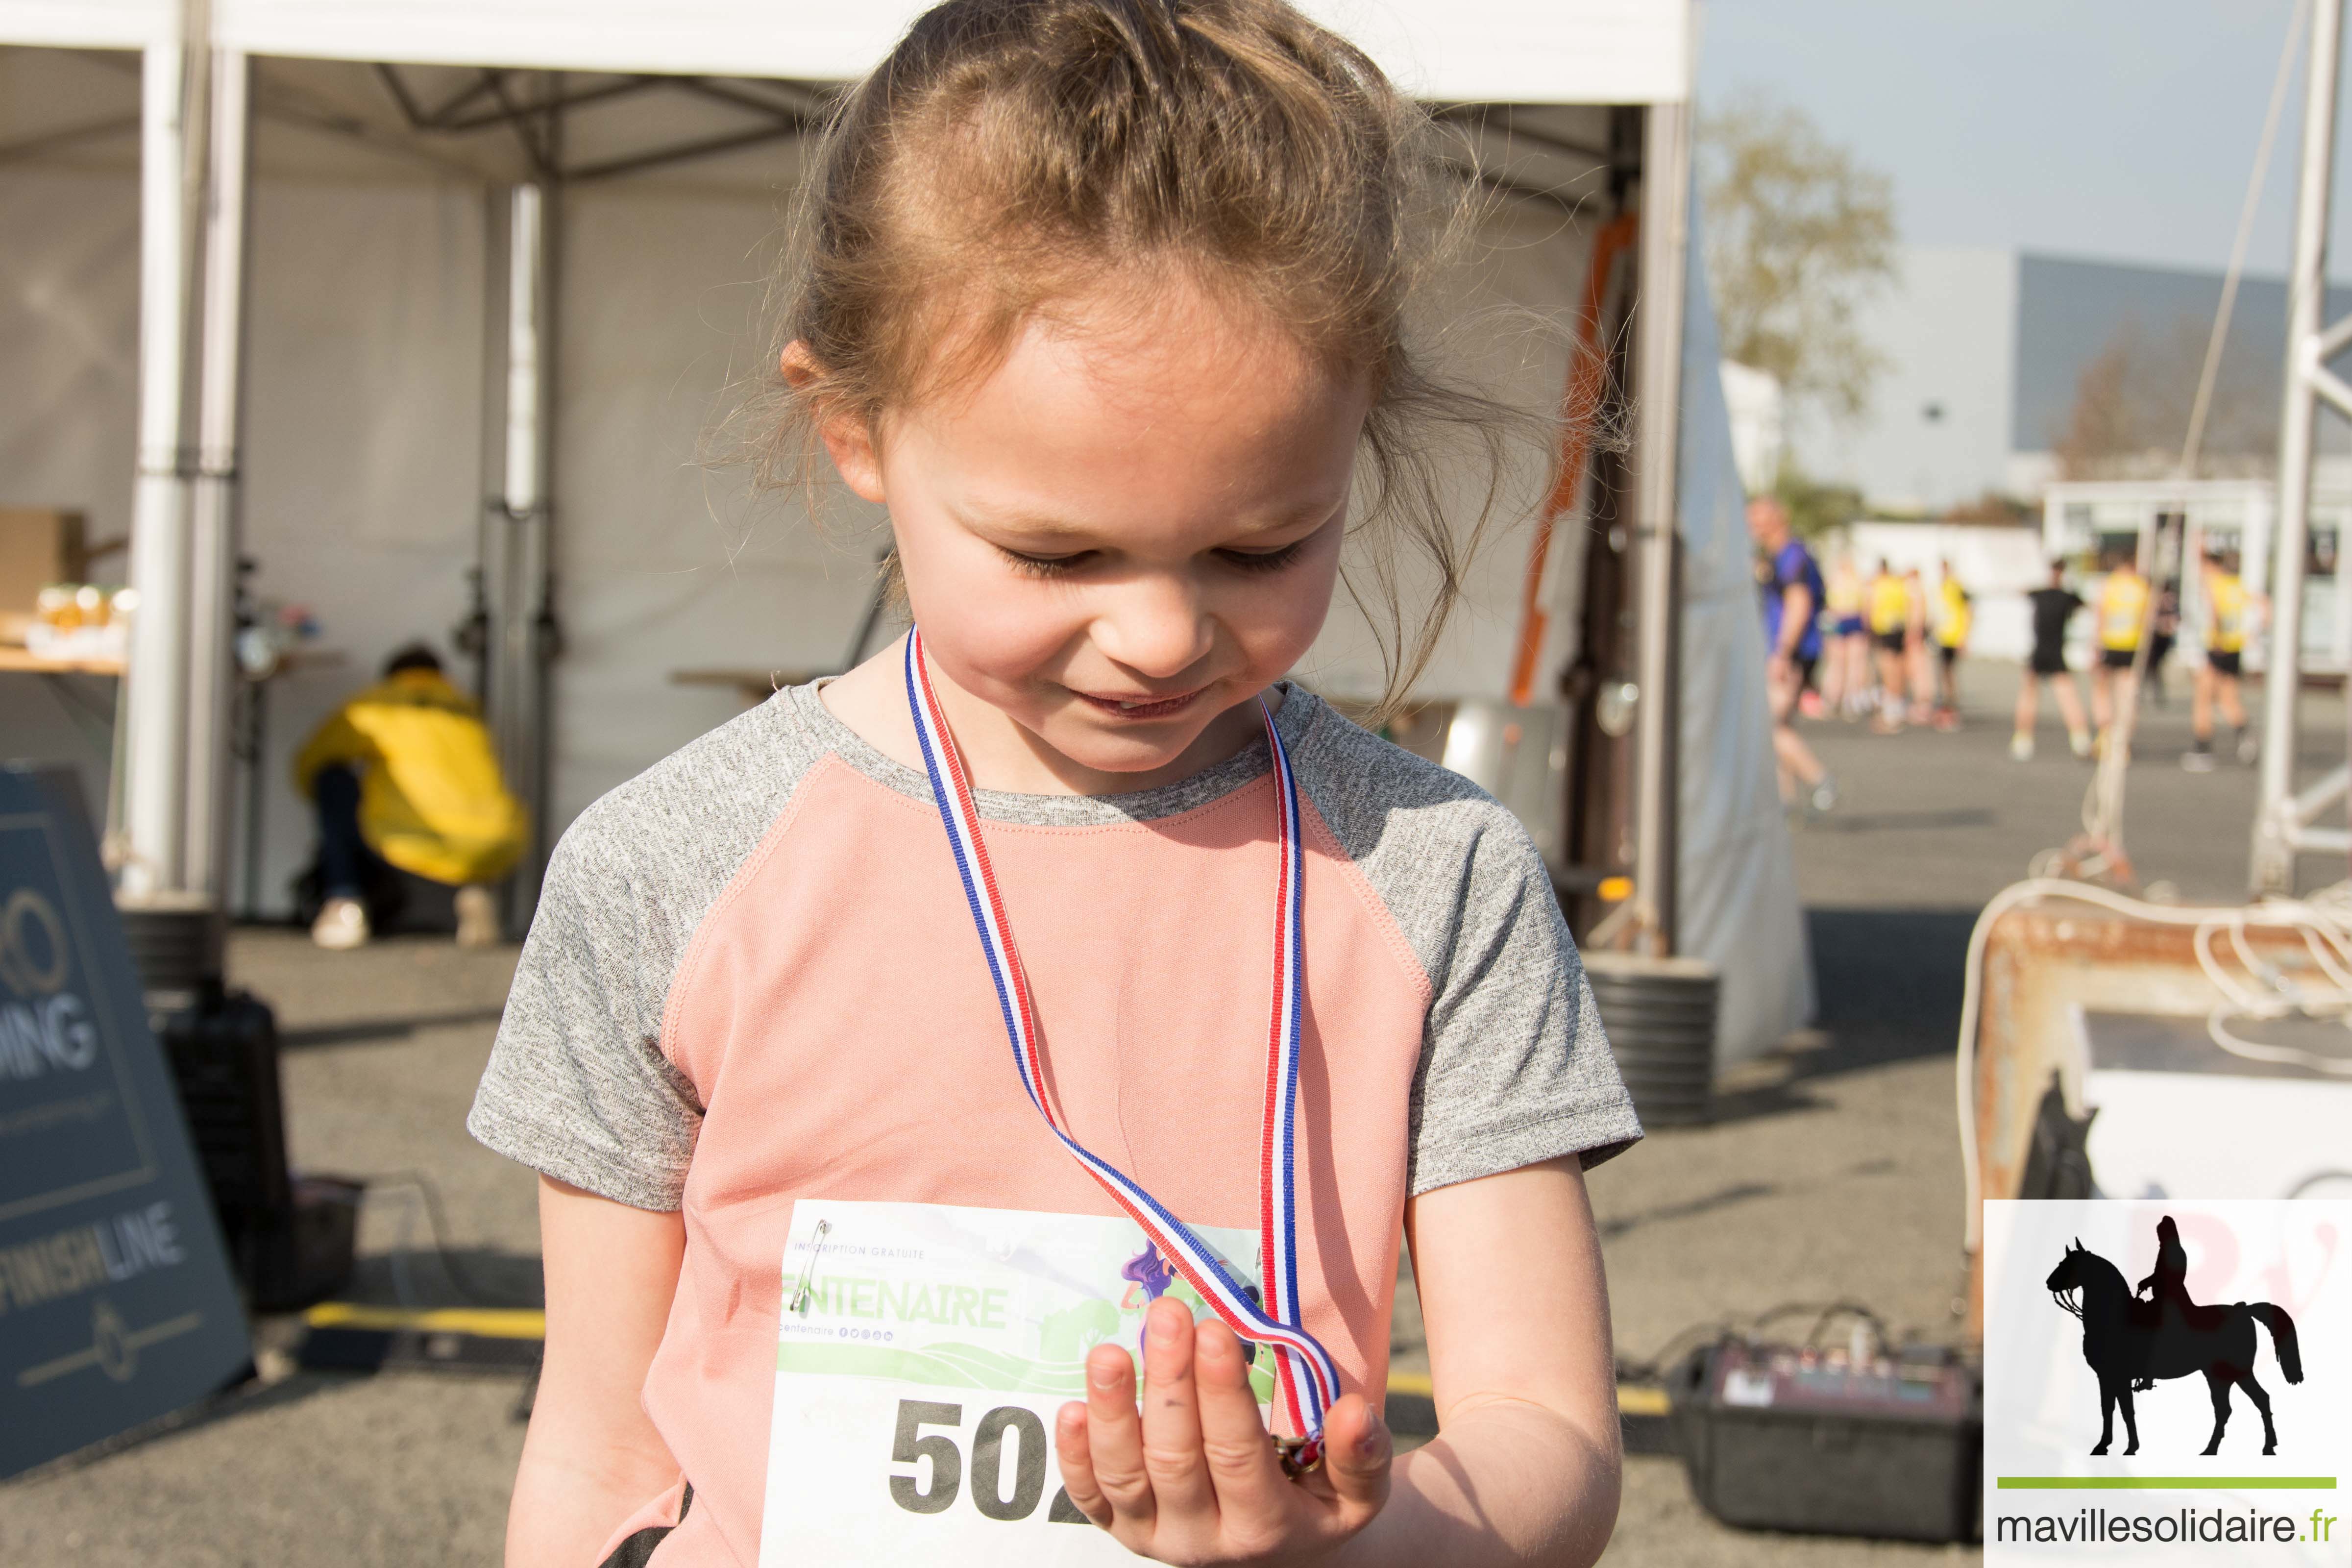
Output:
x=116 y=1300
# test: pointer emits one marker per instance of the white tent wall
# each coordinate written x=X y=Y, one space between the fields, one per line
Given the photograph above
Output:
x=663 y=565
x=662 y=562
x=1739 y=907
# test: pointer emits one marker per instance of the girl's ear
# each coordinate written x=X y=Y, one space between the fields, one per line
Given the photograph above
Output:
x=848 y=438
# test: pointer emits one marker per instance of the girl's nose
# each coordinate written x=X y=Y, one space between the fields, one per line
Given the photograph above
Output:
x=1154 y=627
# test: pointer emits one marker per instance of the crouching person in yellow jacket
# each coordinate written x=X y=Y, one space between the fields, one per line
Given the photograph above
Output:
x=405 y=774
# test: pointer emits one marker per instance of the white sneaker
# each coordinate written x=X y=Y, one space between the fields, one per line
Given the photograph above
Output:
x=2197 y=759
x=342 y=925
x=478 y=918
x=2249 y=754
x=1824 y=797
x=2021 y=748
x=2080 y=742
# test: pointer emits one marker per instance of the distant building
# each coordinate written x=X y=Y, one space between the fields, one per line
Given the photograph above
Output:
x=1997 y=358
x=1759 y=424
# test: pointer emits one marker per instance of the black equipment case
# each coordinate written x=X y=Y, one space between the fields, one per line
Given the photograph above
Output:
x=1779 y=1437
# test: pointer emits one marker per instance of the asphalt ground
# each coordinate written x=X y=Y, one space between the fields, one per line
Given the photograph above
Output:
x=1832 y=1173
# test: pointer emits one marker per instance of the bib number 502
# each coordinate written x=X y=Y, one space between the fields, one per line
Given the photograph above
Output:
x=999 y=1492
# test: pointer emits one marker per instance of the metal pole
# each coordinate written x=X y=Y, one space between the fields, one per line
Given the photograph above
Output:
x=154 y=704
x=2273 y=848
x=1658 y=338
x=516 y=559
x=214 y=536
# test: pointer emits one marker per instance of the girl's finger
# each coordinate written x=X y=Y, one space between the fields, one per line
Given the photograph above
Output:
x=1114 y=1437
x=1356 y=1457
x=1171 y=1416
x=1077 y=1464
x=1250 y=1487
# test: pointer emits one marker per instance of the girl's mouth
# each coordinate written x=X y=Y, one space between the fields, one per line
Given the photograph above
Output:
x=1134 y=708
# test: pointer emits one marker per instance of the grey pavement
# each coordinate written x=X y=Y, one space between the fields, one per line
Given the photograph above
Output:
x=1833 y=1173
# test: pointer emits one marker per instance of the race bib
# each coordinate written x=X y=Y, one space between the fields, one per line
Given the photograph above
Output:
x=922 y=1354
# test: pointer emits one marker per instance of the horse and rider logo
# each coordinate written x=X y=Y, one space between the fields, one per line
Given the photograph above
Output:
x=2135 y=1338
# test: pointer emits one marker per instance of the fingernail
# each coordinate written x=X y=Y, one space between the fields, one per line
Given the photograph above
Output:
x=1375 y=1435
x=1166 y=1328
x=1103 y=1374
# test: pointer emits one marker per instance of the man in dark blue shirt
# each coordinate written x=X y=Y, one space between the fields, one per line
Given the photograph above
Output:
x=1790 y=582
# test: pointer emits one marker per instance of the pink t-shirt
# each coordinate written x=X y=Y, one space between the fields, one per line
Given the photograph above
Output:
x=752 y=977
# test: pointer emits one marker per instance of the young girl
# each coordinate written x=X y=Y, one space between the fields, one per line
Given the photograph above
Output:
x=1063 y=980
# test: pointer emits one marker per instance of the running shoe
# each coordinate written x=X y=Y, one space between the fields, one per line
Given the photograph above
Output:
x=2021 y=748
x=478 y=918
x=2249 y=754
x=342 y=925
x=1809 y=703
x=1946 y=719
x=2079 y=742
x=2198 y=758
x=1824 y=795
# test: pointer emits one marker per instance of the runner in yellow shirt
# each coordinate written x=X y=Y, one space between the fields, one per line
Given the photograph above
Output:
x=1890 y=624
x=1954 y=614
x=2121 y=621
x=2229 y=613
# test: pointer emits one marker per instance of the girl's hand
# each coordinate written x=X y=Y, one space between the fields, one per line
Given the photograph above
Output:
x=1194 y=1480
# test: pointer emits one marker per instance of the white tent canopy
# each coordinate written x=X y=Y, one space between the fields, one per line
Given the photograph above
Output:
x=1458 y=51
x=380 y=288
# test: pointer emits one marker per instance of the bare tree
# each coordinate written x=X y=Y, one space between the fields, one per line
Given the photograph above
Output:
x=2130 y=412
x=1798 y=234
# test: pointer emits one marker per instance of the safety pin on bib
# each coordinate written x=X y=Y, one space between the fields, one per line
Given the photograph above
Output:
x=799 y=1300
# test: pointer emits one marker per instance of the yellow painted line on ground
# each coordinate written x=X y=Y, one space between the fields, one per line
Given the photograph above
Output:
x=1632 y=1400
x=485 y=1323
x=1639 y=1401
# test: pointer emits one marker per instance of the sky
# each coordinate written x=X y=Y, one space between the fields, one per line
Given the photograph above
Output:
x=2122 y=130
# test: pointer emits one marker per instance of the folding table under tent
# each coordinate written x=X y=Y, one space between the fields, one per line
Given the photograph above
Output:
x=340 y=377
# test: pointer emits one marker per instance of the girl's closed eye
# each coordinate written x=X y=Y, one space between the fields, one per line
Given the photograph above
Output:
x=1045 y=565
x=1064 y=565
x=1265 y=560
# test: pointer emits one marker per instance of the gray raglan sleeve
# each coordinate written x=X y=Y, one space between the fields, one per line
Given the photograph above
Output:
x=1515 y=1068
x=577 y=1086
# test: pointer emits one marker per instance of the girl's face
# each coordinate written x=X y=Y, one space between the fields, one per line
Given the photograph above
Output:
x=1124 y=533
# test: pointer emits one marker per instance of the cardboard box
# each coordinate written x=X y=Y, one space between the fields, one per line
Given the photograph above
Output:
x=38 y=546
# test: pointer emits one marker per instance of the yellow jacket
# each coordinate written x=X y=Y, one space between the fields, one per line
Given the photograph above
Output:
x=432 y=799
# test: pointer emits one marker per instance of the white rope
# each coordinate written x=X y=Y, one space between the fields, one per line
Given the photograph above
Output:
x=2254 y=989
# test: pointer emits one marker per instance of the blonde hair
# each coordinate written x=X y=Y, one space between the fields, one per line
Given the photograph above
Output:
x=1009 y=154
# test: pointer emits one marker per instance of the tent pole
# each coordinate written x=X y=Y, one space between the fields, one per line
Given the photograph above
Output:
x=214 y=536
x=152 y=855
x=2277 y=822
x=1657 y=349
x=517 y=559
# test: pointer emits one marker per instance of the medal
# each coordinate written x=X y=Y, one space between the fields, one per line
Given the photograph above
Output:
x=1305 y=1374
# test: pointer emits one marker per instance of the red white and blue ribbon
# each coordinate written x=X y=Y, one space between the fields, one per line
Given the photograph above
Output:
x=1309 y=1378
